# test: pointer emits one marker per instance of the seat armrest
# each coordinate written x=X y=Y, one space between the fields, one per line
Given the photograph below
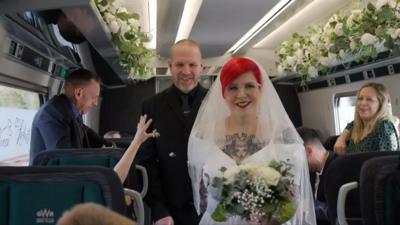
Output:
x=341 y=203
x=145 y=180
x=138 y=207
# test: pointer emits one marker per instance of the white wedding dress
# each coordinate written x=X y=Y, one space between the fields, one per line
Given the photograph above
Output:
x=274 y=129
x=216 y=159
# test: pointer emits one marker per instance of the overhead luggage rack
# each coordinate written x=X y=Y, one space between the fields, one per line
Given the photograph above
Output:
x=386 y=64
x=86 y=17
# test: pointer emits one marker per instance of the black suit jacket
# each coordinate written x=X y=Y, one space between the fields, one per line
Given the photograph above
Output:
x=165 y=157
x=54 y=126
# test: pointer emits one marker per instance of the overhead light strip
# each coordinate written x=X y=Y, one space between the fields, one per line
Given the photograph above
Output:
x=190 y=11
x=153 y=23
x=261 y=24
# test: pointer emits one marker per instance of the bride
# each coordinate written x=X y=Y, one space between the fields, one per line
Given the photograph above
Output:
x=240 y=122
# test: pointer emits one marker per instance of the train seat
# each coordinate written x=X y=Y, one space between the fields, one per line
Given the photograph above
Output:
x=380 y=191
x=38 y=195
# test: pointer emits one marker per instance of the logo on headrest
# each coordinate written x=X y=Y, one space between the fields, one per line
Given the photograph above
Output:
x=44 y=216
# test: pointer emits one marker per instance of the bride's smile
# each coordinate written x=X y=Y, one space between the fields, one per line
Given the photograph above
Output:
x=243 y=94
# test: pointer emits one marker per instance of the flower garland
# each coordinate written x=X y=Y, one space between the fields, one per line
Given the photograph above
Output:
x=128 y=37
x=362 y=34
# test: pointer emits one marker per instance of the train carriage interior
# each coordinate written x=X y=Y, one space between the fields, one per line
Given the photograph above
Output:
x=127 y=43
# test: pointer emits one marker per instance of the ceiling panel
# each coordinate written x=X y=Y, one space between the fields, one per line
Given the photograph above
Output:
x=221 y=23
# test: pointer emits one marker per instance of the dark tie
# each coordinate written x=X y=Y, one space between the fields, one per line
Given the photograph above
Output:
x=85 y=139
x=185 y=104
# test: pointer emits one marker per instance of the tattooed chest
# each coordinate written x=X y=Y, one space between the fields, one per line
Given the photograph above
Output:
x=241 y=145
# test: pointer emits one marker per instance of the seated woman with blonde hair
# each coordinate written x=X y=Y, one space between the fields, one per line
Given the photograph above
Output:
x=374 y=128
x=93 y=214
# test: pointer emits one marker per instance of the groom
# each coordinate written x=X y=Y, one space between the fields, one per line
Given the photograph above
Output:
x=173 y=112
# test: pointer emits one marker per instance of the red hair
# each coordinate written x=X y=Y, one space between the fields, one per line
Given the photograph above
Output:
x=236 y=67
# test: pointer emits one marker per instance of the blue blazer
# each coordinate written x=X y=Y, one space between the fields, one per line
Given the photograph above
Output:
x=54 y=126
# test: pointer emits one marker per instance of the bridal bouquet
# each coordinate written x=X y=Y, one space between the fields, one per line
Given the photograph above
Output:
x=255 y=192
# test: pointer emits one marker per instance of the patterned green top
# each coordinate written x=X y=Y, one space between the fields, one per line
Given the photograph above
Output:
x=382 y=138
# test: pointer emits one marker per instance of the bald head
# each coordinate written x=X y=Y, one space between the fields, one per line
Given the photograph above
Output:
x=185 y=64
x=185 y=43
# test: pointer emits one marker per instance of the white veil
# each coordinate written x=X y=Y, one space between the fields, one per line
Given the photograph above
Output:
x=274 y=127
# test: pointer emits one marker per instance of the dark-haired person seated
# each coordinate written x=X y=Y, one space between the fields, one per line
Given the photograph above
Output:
x=58 y=123
x=319 y=160
x=374 y=128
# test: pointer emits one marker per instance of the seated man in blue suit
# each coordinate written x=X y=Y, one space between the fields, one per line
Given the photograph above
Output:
x=58 y=123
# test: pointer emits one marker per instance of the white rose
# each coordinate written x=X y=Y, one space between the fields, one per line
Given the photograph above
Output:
x=353 y=45
x=299 y=54
x=125 y=27
x=122 y=10
x=296 y=45
x=103 y=8
x=394 y=33
x=356 y=12
x=133 y=22
x=349 y=21
x=230 y=173
x=314 y=39
x=339 y=29
x=281 y=70
x=114 y=27
x=368 y=39
x=108 y=17
x=324 y=61
x=380 y=3
x=269 y=175
x=291 y=60
x=332 y=58
x=114 y=7
x=312 y=72
x=343 y=54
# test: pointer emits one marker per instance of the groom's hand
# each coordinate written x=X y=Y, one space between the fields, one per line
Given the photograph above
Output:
x=165 y=221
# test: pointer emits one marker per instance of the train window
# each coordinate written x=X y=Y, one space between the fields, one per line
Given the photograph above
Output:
x=345 y=105
x=17 y=109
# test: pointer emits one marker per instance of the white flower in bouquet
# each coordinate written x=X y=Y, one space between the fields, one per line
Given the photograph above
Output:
x=368 y=39
x=296 y=45
x=269 y=176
